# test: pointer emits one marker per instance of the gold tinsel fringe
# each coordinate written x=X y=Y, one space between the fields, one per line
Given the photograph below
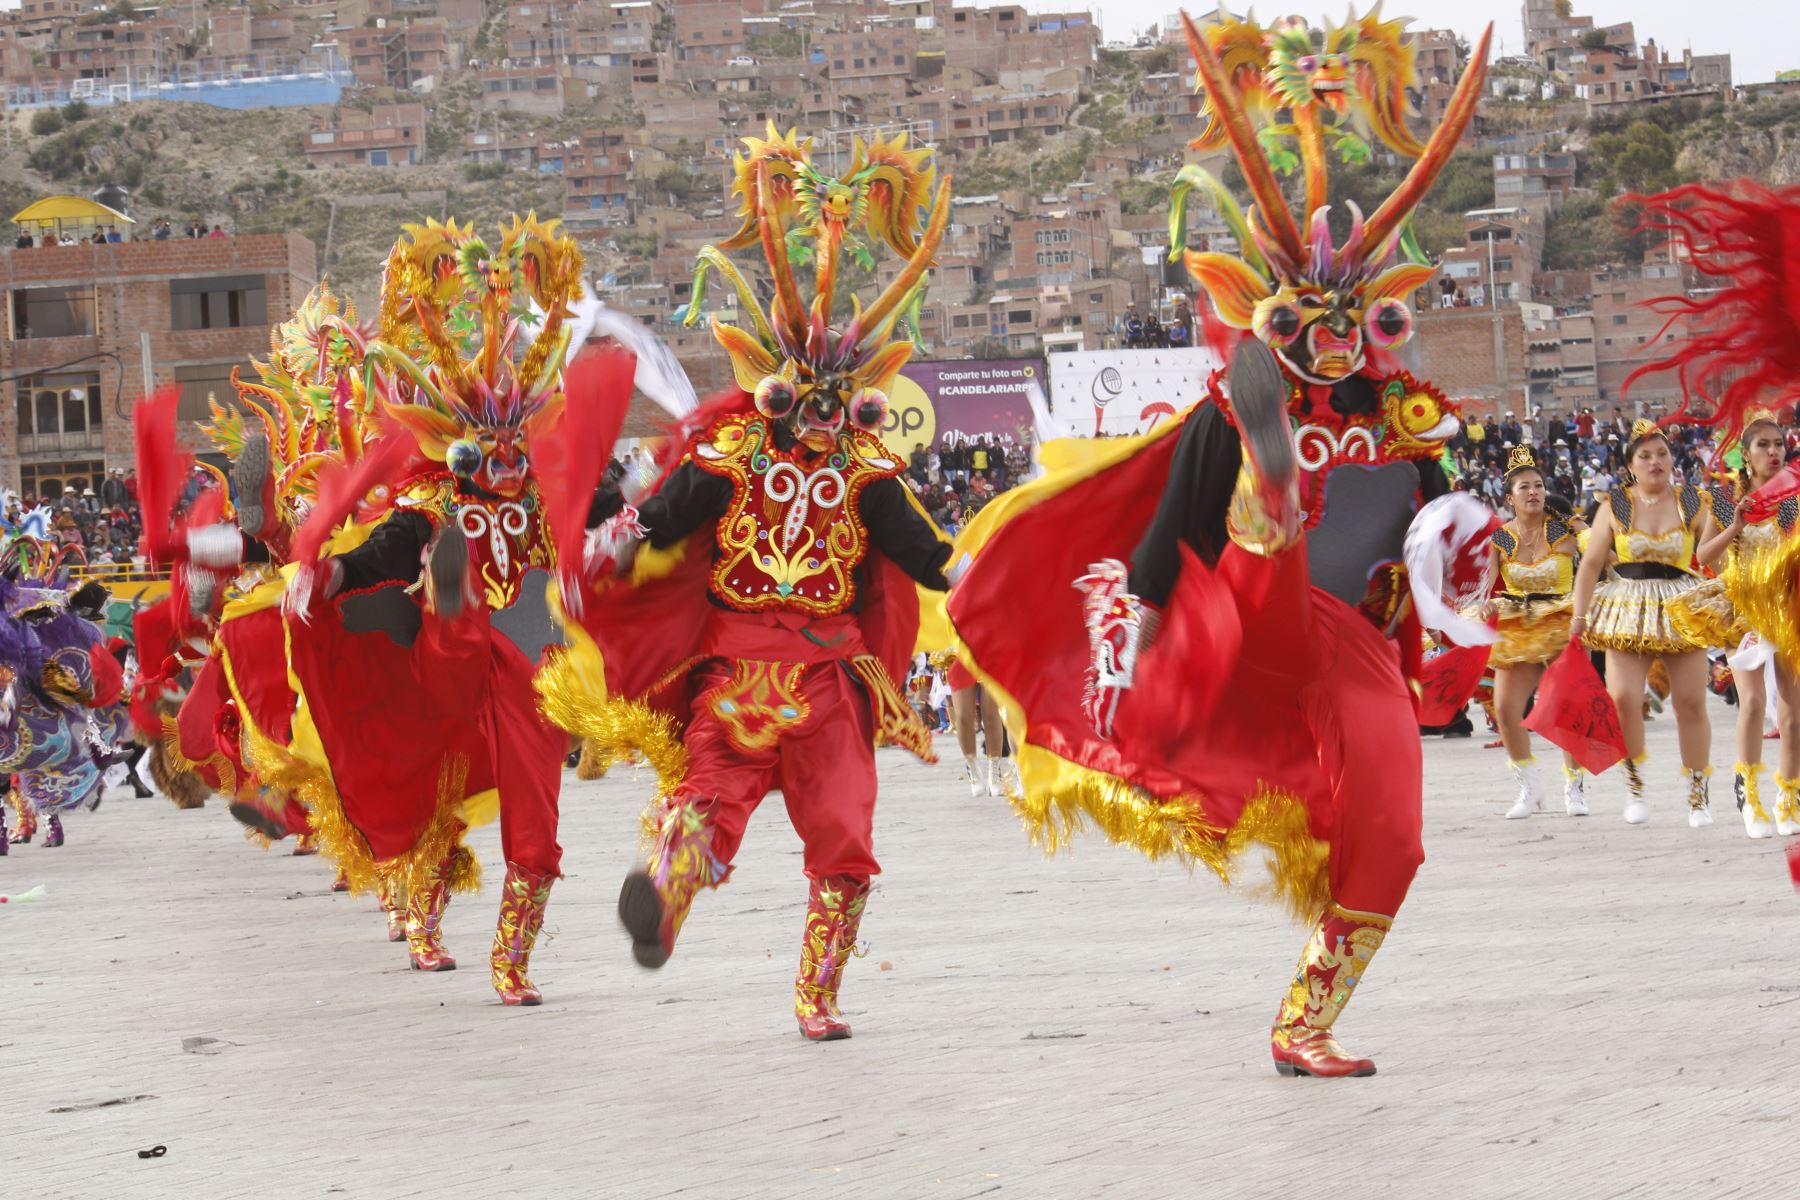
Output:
x=591 y=765
x=1178 y=828
x=612 y=730
x=1768 y=597
x=340 y=840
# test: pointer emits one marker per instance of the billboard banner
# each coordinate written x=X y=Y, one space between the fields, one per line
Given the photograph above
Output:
x=972 y=396
x=1096 y=393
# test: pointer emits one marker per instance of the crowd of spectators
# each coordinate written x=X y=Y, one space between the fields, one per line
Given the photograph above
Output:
x=1583 y=453
x=160 y=231
x=105 y=523
x=1141 y=332
x=956 y=477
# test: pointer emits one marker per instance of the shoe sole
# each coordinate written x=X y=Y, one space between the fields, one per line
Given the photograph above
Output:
x=1288 y=1070
x=641 y=913
x=249 y=472
x=255 y=818
x=1259 y=396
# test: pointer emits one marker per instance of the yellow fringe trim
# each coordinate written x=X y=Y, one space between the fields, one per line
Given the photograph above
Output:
x=1061 y=798
x=572 y=696
x=171 y=736
x=341 y=841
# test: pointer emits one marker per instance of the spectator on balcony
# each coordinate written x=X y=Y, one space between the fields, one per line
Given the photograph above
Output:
x=112 y=490
x=24 y=242
x=112 y=234
x=161 y=231
x=216 y=232
x=67 y=239
x=1133 y=327
x=196 y=229
x=99 y=238
x=1180 y=334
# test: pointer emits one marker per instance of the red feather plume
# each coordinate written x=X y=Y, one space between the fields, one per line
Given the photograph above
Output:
x=162 y=468
x=570 y=458
x=1742 y=349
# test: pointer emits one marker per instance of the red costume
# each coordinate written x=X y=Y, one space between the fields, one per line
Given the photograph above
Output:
x=772 y=608
x=1234 y=663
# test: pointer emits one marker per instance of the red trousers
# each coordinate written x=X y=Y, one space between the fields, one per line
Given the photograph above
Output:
x=468 y=663
x=825 y=767
x=1366 y=787
x=1361 y=713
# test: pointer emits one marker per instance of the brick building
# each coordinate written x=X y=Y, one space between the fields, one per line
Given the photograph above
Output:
x=1476 y=355
x=388 y=135
x=75 y=320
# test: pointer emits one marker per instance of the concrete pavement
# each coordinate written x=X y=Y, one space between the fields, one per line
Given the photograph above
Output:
x=1566 y=1008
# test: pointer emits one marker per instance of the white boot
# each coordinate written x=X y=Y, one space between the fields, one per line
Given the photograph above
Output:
x=1575 y=791
x=1787 y=806
x=1757 y=822
x=1531 y=790
x=1000 y=776
x=1699 y=808
x=1637 y=809
x=972 y=773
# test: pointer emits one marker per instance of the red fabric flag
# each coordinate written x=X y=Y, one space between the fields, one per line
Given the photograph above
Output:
x=1448 y=681
x=1575 y=712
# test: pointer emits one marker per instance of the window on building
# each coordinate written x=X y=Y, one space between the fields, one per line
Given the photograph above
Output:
x=1019 y=316
x=219 y=302
x=46 y=480
x=202 y=383
x=46 y=312
x=1621 y=318
x=1502 y=263
x=58 y=411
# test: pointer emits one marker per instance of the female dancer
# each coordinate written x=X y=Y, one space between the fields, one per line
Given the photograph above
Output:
x=972 y=704
x=1647 y=532
x=1534 y=558
x=1710 y=615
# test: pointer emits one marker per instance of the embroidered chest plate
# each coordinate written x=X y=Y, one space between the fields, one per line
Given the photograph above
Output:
x=1412 y=422
x=792 y=536
x=506 y=535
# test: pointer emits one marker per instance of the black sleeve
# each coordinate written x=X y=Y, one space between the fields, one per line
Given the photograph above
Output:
x=903 y=533
x=391 y=553
x=1432 y=481
x=689 y=499
x=1193 y=505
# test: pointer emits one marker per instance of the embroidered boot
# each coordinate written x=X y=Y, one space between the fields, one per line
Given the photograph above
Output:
x=1699 y=813
x=834 y=910
x=1637 y=808
x=654 y=901
x=522 y=900
x=391 y=894
x=1748 y=786
x=1531 y=789
x=5 y=835
x=424 y=912
x=1331 y=966
x=53 y=835
x=25 y=828
x=1787 y=806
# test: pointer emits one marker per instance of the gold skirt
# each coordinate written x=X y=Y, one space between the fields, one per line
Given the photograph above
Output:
x=1707 y=616
x=1531 y=631
x=1632 y=615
